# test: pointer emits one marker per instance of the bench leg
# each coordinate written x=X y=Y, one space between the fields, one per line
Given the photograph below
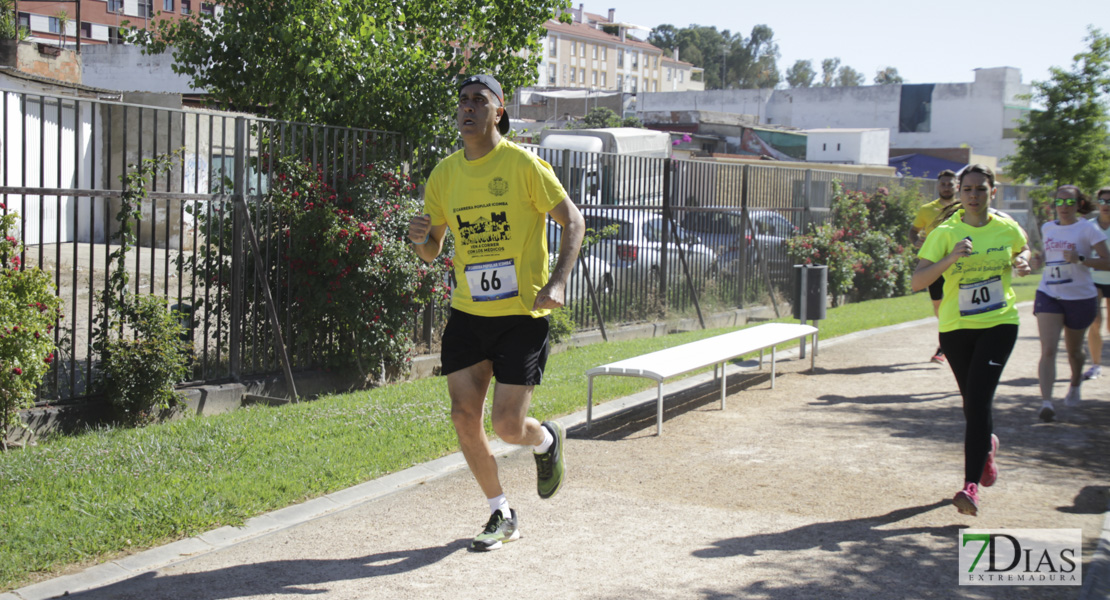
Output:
x=761 y=359
x=813 y=354
x=589 y=401
x=659 y=413
x=772 y=367
x=723 y=377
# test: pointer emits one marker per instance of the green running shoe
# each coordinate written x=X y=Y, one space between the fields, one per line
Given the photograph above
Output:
x=498 y=531
x=550 y=465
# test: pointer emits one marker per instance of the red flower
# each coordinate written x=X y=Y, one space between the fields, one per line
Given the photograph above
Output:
x=49 y=358
x=17 y=371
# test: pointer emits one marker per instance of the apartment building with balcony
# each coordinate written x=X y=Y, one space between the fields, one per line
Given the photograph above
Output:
x=100 y=20
x=598 y=52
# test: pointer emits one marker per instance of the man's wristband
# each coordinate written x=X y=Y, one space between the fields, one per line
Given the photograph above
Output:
x=427 y=236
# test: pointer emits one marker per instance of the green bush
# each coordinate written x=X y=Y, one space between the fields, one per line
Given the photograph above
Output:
x=139 y=373
x=29 y=310
x=354 y=283
x=562 y=324
x=865 y=245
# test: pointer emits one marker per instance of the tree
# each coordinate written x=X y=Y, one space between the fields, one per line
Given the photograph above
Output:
x=665 y=37
x=754 y=61
x=9 y=24
x=597 y=117
x=887 y=76
x=378 y=64
x=63 y=24
x=848 y=77
x=829 y=67
x=1067 y=141
x=801 y=74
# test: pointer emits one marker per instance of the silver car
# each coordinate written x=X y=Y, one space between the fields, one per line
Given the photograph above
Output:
x=632 y=243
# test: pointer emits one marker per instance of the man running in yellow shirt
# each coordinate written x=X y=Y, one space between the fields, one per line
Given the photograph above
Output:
x=495 y=197
x=923 y=224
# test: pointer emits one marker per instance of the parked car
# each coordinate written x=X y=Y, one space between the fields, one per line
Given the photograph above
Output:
x=601 y=273
x=635 y=246
x=722 y=230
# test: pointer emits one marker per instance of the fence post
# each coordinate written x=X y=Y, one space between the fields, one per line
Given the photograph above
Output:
x=744 y=225
x=668 y=218
x=807 y=216
x=240 y=189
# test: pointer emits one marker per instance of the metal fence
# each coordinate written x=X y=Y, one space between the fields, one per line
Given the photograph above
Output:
x=679 y=236
x=62 y=163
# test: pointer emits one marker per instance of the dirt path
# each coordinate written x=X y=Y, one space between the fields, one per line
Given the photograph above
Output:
x=834 y=485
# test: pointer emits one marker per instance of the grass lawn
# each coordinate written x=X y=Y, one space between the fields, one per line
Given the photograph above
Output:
x=71 y=500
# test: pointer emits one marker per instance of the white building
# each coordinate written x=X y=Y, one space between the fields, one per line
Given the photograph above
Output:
x=848 y=146
x=981 y=115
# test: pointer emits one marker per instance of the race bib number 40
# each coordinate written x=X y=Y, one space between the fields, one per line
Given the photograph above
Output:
x=492 y=280
x=981 y=296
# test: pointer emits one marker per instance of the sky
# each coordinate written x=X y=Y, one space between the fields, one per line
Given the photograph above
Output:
x=938 y=41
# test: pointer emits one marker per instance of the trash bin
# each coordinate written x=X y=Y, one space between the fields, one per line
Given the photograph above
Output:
x=814 y=280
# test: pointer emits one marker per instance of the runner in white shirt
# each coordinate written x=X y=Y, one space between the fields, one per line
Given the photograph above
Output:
x=1102 y=285
x=1066 y=298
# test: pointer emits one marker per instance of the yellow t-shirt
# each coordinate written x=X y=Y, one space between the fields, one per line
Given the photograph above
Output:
x=977 y=292
x=928 y=213
x=496 y=207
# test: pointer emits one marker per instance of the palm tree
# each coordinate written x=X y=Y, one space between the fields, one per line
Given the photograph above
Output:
x=63 y=23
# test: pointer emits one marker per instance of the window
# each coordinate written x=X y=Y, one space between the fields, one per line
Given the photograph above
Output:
x=655 y=86
x=186 y=7
x=115 y=6
x=633 y=86
x=620 y=82
x=86 y=29
x=113 y=36
x=573 y=73
x=635 y=60
x=574 y=48
x=669 y=74
x=916 y=108
x=603 y=52
x=582 y=76
x=595 y=51
x=603 y=79
x=681 y=74
x=167 y=5
x=55 y=26
x=146 y=8
x=593 y=76
x=620 y=57
x=208 y=8
x=25 y=20
x=655 y=62
x=551 y=74
x=553 y=47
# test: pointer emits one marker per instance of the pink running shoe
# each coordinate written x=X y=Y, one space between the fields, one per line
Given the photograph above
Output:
x=967 y=500
x=990 y=470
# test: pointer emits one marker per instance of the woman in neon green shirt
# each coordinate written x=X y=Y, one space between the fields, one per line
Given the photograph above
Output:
x=977 y=252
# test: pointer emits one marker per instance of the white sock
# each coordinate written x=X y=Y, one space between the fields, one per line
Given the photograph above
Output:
x=1047 y=403
x=543 y=446
x=499 y=503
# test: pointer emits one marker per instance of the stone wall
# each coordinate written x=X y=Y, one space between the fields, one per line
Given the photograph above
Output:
x=43 y=60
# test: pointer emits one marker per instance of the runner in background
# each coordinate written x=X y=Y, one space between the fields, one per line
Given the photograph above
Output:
x=978 y=252
x=1102 y=286
x=923 y=223
x=1066 y=298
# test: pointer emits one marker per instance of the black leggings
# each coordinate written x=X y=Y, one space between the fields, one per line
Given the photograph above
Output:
x=977 y=357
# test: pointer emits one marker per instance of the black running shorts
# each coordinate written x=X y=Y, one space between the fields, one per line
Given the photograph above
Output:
x=517 y=345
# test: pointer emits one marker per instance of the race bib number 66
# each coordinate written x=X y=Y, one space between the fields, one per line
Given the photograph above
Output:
x=492 y=280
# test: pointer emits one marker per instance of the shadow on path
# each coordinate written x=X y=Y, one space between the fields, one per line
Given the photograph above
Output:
x=280 y=577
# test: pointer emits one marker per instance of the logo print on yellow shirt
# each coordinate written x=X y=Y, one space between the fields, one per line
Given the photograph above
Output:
x=498 y=186
x=495 y=228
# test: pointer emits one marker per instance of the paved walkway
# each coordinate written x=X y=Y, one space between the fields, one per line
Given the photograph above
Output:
x=831 y=485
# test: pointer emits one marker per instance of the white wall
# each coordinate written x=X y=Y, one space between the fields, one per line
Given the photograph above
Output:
x=972 y=114
x=126 y=68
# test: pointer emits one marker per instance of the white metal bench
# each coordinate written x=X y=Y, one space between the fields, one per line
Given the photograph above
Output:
x=715 y=351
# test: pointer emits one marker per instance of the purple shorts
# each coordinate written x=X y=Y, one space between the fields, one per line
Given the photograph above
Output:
x=1078 y=314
